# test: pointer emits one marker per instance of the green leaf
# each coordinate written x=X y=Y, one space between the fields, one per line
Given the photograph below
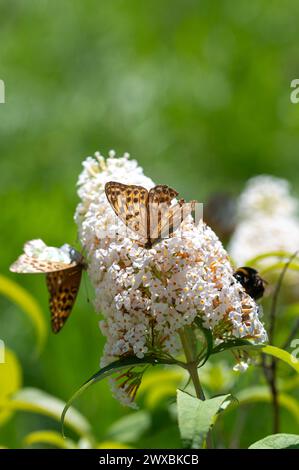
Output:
x=10 y=380
x=37 y=401
x=277 y=441
x=271 y=254
x=282 y=355
x=130 y=428
x=281 y=258
x=262 y=394
x=196 y=417
x=28 y=304
x=235 y=344
x=278 y=267
x=51 y=438
x=112 y=445
x=107 y=371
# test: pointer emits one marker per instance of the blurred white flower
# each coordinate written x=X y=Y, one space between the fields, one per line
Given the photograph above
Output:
x=267 y=220
x=241 y=366
x=269 y=196
x=146 y=296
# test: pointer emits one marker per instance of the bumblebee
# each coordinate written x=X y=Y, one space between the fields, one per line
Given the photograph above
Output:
x=252 y=282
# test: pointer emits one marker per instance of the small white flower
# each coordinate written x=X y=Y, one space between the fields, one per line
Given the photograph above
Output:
x=146 y=296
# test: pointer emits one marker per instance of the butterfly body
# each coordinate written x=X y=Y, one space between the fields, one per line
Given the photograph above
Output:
x=150 y=214
x=63 y=268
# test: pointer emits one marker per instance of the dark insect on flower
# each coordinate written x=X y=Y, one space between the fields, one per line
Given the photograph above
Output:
x=252 y=282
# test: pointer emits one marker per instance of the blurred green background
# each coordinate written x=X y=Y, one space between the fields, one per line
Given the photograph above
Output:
x=197 y=91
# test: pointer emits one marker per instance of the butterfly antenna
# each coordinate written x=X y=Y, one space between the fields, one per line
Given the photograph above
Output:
x=77 y=238
x=86 y=288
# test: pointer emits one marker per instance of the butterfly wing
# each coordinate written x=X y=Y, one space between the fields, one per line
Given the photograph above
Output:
x=161 y=194
x=174 y=217
x=30 y=265
x=63 y=268
x=130 y=204
x=63 y=288
x=149 y=214
x=164 y=218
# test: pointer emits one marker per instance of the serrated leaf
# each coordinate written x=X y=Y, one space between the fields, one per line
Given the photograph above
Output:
x=277 y=441
x=196 y=417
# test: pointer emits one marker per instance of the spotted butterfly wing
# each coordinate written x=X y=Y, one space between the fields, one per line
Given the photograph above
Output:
x=63 y=287
x=63 y=268
x=166 y=218
x=130 y=204
x=149 y=214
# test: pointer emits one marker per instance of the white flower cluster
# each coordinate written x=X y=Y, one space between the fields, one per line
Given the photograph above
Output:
x=146 y=296
x=268 y=220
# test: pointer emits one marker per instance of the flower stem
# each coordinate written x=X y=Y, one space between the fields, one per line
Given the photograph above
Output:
x=189 y=347
x=187 y=343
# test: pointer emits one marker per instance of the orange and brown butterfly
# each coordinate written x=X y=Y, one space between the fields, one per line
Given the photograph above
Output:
x=63 y=268
x=150 y=214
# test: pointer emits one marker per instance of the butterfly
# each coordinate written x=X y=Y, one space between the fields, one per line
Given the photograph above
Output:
x=63 y=268
x=150 y=214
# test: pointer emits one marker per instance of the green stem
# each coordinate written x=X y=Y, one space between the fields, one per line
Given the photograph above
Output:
x=188 y=342
x=190 y=353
